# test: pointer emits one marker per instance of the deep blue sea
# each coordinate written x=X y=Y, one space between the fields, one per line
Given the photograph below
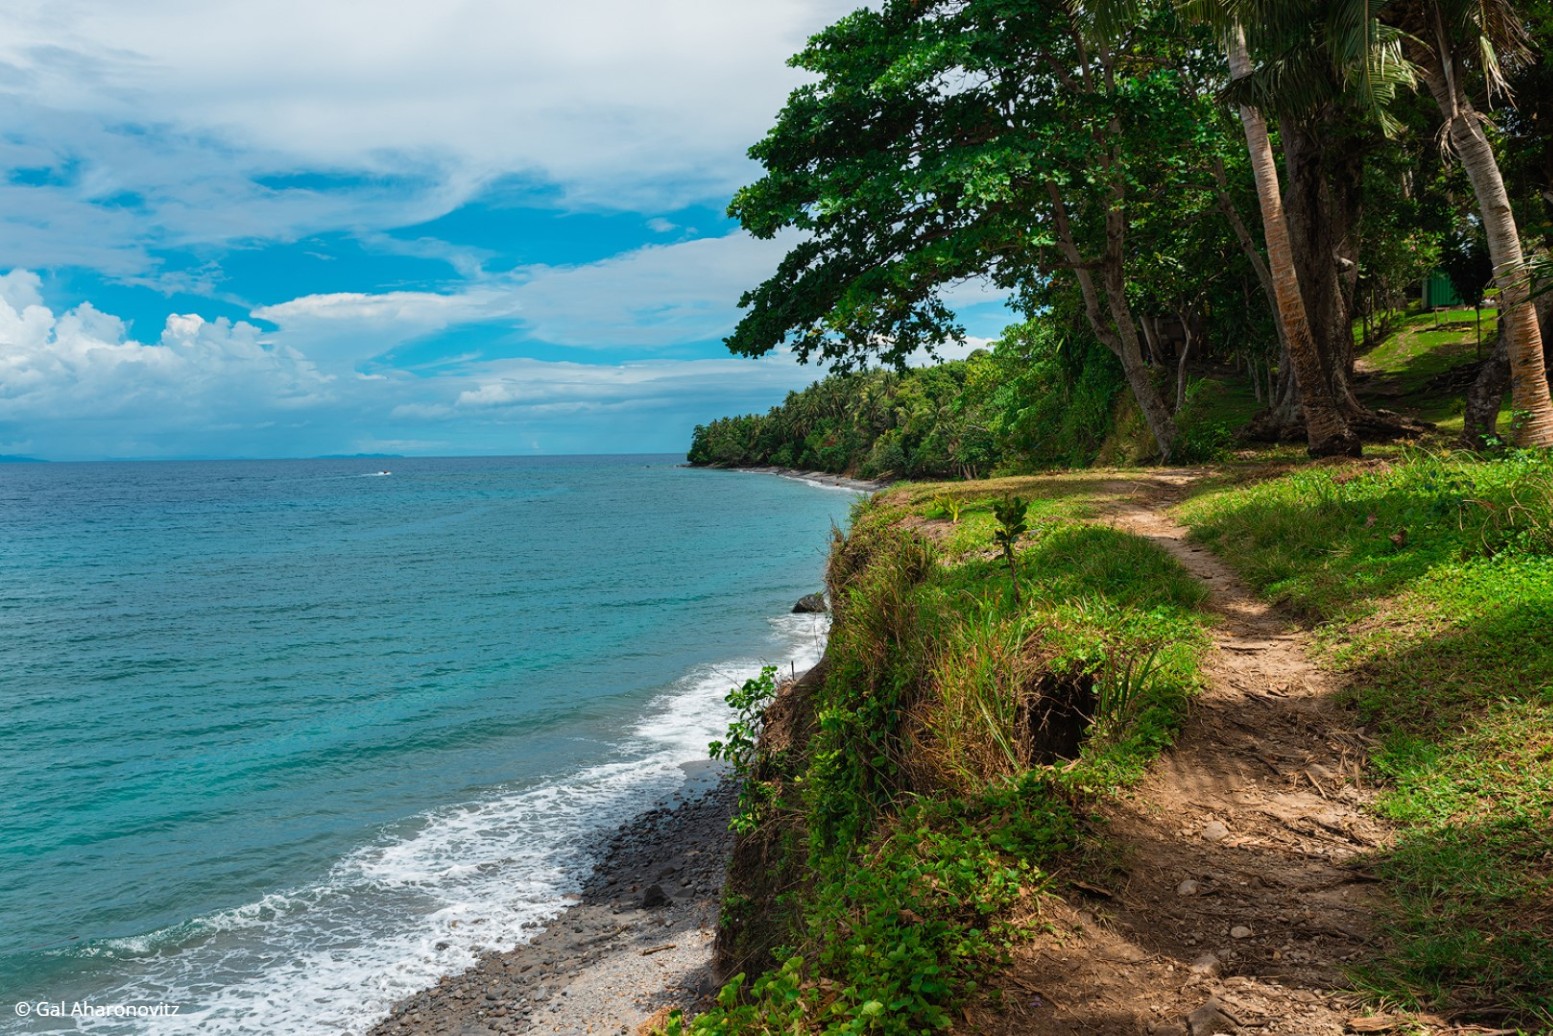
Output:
x=282 y=741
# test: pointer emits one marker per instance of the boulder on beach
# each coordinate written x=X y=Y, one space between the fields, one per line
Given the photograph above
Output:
x=810 y=604
x=655 y=897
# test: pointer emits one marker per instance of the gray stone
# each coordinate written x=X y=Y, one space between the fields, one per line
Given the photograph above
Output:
x=1207 y=964
x=1210 y=1019
x=655 y=897
x=1240 y=931
x=810 y=604
x=1214 y=831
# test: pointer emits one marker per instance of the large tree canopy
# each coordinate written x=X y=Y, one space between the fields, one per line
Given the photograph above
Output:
x=1007 y=139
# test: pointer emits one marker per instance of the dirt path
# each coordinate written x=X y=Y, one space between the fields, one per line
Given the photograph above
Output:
x=1229 y=898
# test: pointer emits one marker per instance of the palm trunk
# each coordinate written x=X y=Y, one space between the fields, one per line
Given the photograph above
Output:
x=1326 y=428
x=1523 y=338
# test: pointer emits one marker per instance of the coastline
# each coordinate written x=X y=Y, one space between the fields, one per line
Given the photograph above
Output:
x=607 y=963
x=613 y=959
x=818 y=478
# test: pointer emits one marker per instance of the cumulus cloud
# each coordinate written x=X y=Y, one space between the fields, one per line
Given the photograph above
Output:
x=77 y=373
x=79 y=384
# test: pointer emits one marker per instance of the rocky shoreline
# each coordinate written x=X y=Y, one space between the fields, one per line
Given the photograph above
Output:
x=637 y=941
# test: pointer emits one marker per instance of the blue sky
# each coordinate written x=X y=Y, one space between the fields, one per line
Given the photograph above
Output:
x=300 y=228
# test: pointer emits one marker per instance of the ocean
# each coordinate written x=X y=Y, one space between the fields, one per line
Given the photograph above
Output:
x=284 y=741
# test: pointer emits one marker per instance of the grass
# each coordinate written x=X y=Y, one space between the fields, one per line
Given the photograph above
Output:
x=931 y=801
x=1423 y=368
x=1431 y=579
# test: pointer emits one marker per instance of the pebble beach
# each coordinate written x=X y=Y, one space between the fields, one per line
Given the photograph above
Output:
x=637 y=941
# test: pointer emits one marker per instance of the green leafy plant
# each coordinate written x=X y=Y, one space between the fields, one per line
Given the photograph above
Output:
x=1010 y=513
x=738 y=750
x=946 y=505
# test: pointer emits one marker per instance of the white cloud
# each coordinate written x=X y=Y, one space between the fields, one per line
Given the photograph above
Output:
x=173 y=109
x=345 y=328
x=78 y=375
x=533 y=383
x=76 y=385
x=650 y=298
x=654 y=296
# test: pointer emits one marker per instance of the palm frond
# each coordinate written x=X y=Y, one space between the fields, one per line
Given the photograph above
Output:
x=1292 y=83
x=1488 y=32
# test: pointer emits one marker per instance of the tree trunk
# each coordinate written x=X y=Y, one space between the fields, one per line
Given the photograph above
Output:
x=1486 y=395
x=1186 y=352
x=1522 y=337
x=1480 y=418
x=1120 y=332
x=1151 y=335
x=1322 y=208
x=1326 y=428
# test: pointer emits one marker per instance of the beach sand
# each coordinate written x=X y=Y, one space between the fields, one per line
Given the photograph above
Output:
x=608 y=963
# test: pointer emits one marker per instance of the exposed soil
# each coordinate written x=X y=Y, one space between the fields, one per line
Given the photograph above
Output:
x=1229 y=891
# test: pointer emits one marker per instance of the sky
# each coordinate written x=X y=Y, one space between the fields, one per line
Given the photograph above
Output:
x=422 y=227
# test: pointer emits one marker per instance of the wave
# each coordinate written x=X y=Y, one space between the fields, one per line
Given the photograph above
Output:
x=431 y=894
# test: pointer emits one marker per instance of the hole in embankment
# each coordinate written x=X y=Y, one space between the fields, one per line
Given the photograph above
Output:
x=1054 y=720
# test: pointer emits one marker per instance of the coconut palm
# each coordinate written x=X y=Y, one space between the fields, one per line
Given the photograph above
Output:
x=1447 y=43
x=1454 y=41
x=1326 y=427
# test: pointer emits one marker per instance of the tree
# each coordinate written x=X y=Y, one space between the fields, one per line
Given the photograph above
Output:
x=1453 y=41
x=1330 y=72
x=1326 y=426
x=951 y=139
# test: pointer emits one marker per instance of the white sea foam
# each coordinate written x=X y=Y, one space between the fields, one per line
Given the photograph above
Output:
x=432 y=894
x=830 y=485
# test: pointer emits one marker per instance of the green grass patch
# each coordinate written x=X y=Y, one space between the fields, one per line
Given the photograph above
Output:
x=1432 y=579
x=1425 y=366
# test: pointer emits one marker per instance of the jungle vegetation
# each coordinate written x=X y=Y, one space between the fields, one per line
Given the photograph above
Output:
x=1251 y=190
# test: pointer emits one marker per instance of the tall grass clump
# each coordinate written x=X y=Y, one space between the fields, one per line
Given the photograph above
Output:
x=983 y=681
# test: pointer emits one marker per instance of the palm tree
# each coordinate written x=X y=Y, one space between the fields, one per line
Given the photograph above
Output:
x=1327 y=430
x=1450 y=38
x=1446 y=40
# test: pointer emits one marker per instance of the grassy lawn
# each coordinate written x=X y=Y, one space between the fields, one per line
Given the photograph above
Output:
x=1431 y=579
x=1423 y=368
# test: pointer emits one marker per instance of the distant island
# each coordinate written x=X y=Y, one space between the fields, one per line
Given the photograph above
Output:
x=360 y=456
x=16 y=458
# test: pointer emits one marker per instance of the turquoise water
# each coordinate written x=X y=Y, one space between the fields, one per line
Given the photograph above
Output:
x=286 y=733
